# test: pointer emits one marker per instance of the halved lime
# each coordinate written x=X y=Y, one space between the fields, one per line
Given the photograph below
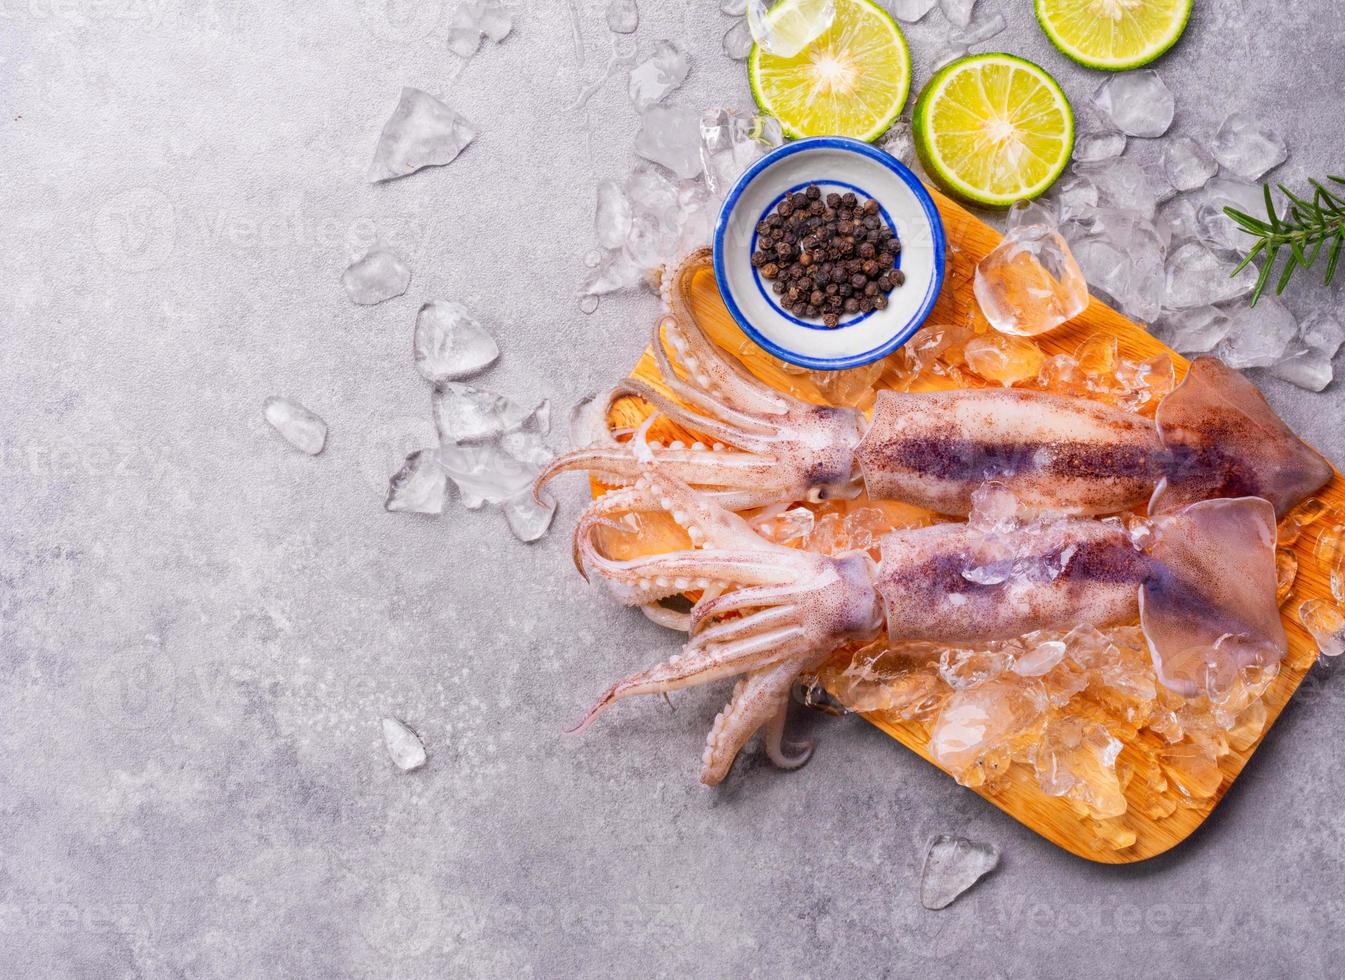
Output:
x=1113 y=35
x=852 y=80
x=993 y=129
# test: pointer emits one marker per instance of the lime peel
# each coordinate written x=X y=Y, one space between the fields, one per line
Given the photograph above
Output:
x=852 y=80
x=993 y=129
x=1113 y=35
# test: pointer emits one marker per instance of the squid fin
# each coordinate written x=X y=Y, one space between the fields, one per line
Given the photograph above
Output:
x=1208 y=605
x=1225 y=441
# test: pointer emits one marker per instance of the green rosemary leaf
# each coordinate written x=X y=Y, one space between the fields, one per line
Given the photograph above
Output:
x=1264 y=277
x=1247 y=259
x=1316 y=250
x=1289 y=266
x=1301 y=231
x=1270 y=209
x=1333 y=258
x=1253 y=225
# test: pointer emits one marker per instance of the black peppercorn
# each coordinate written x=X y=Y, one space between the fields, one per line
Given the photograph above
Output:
x=827 y=255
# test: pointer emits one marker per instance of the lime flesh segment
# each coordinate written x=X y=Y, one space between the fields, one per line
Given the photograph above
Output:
x=1113 y=35
x=852 y=80
x=993 y=129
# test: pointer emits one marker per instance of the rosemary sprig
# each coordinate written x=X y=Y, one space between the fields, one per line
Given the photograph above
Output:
x=1302 y=231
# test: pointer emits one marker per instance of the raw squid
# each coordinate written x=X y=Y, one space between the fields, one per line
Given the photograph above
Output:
x=1214 y=436
x=1202 y=585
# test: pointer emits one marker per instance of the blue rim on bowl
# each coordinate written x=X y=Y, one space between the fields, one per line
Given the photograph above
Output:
x=893 y=334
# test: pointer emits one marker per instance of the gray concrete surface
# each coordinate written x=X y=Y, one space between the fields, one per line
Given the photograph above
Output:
x=199 y=628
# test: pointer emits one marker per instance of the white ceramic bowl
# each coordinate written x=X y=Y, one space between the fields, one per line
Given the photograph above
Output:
x=835 y=164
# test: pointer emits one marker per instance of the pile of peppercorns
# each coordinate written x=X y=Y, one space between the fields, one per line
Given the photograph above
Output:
x=828 y=258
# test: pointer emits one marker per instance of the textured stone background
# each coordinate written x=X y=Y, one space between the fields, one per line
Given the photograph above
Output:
x=199 y=628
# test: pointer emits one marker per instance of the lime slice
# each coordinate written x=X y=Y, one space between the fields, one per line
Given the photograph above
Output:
x=993 y=129
x=1113 y=35
x=852 y=80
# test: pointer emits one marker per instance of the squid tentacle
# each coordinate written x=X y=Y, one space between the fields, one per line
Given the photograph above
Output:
x=702 y=398
x=774 y=743
x=757 y=699
x=723 y=376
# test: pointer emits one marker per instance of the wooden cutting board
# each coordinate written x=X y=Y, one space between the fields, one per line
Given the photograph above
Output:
x=1018 y=794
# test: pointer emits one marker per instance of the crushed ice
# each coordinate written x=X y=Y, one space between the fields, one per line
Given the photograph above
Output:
x=301 y=428
x=375 y=277
x=1138 y=102
x=421 y=132
x=474 y=20
x=952 y=865
x=419 y=487
x=449 y=344
x=659 y=75
x=404 y=746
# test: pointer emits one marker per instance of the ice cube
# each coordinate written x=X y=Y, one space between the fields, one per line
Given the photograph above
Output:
x=794 y=524
x=1076 y=759
x=1143 y=290
x=650 y=192
x=449 y=344
x=1039 y=659
x=623 y=16
x=1247 y=148
x=484 y=473
x=1188 y=165
x=587 y=422
x=952 y=865
x=1198 y=277
x=659 y=75
x=650 y=244
x=738 y=41
x=1102 y=144
x=1138 y=102
x=1197 y=330
x=898 y=142
x=979 y=32
x=1326 y=622
x=611 y=217
x=475 y=19
x=404 y=746
x=787 y=27
x=910 y=11
x=958 y=12
x=1159 y=185
x=1178 y=222
x=465 y=414
x=1305 y=367
x=419 y=487
x=1240 y=194
x=421 y=132
x=1216 y=227
x=1258 y=336
x=731 y=142
x=1030 y=283
x=1004 y=359
x=1120 y=184
x=671 y=138
x=527 y=518
x=298 y=426
x=735 y=8
x=615 y=271
x=376 y=276
x=1076 y=197
x=1322 y=332
x=1024 y=213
